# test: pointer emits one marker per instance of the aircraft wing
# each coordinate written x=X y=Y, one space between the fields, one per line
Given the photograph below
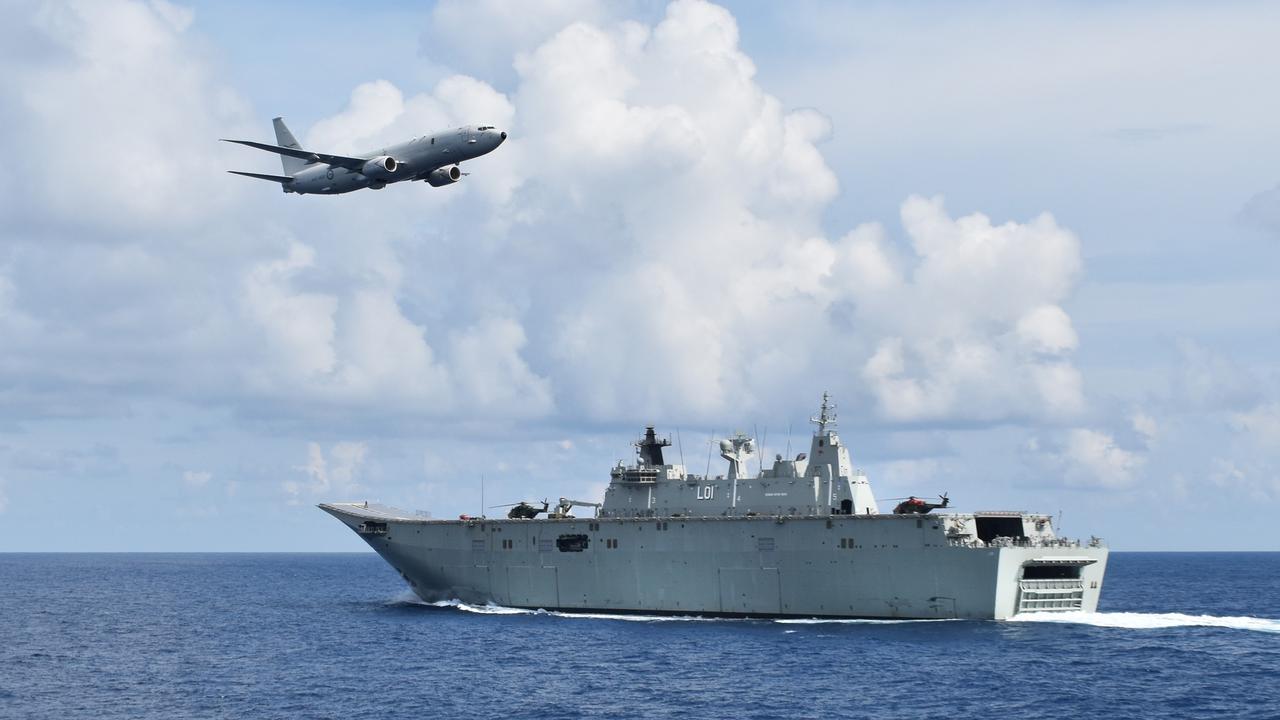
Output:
x=335 y=160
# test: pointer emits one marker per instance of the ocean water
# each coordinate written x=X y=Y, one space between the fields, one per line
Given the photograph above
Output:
x=1178 y=635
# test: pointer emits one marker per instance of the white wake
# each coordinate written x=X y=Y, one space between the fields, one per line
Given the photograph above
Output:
x=1152 y=621
x=857 y=621
x=408 y=598
x=488 y=609
x=491 y=609
x=1124 y=620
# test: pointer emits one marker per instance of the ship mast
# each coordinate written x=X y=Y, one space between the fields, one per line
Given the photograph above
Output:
x=826 y=416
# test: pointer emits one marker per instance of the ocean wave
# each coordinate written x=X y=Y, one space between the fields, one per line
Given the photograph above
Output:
x=1152 y=621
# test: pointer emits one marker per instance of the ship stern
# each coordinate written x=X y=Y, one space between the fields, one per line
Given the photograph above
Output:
x=1049 y=579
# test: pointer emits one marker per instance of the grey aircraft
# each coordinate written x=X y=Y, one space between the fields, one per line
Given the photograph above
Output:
x=430 y=158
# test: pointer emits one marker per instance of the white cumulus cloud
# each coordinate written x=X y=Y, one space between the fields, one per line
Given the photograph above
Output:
x=1262 y=424
x=648 y=243
x=1094 y=459
x=969 y=326
x=1145 y=426
x=1255 y=480
x=120 y=95
x=335 y=475
x=480 y=36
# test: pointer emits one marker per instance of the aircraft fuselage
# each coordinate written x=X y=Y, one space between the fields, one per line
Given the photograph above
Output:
x=415 y=160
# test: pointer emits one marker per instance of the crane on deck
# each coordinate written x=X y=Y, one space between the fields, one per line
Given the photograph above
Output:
x=566 y=504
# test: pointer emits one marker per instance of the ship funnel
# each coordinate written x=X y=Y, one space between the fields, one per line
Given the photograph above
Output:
x=650 y=448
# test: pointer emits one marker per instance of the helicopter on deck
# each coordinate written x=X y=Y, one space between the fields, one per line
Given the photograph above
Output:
x=915 y=506
x=524 y=511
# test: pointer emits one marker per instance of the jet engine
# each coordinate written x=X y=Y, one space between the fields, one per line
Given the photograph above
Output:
x=444 y=176
x=382 y=167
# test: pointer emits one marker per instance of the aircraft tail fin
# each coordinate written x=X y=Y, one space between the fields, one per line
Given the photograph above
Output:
x=285 y=139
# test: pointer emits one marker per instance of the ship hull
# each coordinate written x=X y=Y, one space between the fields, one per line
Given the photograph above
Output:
x=870 y=566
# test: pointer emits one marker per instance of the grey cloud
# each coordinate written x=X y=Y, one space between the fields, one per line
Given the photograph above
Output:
x=1262 y=211
x=1156 y=132
x=1207 y=379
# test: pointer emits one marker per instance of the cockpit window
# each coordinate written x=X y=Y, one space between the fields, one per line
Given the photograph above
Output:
x=485 y=127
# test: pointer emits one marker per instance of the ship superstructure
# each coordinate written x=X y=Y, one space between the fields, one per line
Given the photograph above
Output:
x=802 y=537
x=819 y=482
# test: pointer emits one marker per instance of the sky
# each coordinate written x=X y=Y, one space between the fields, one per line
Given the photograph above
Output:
x=1030 y=250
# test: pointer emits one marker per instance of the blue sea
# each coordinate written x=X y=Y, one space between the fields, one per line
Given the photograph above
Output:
x=1178 y=635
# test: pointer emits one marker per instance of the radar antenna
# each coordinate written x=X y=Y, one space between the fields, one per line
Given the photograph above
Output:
x=827 y=415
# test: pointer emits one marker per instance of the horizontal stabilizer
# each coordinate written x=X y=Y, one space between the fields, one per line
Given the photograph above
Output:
x=284 y=179
x=311 y=157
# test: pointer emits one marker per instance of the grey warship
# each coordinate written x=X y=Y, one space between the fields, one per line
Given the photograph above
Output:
x=803 y=538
